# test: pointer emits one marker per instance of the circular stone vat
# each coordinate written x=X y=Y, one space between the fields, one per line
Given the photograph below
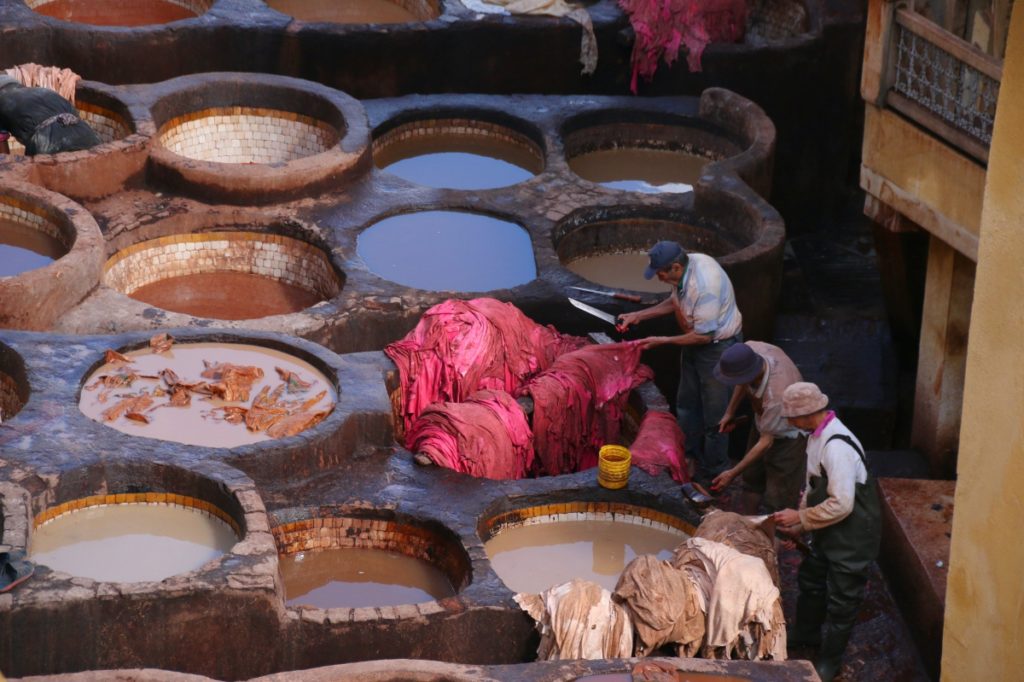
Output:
x=14 y=389
x=458 y=153
x=208 y=394
x=625 y=151
x=51 y=253
x=30 y=238
x=538 y=547
x=120 y=13
x=448 y=251
x=229 y=275
x=132 y=537
x=609 y=247
x=357 y=562
x=246 y=135
x=358 y=11
x=256 y=138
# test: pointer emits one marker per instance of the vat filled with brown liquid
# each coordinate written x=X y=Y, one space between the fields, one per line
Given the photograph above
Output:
x=348 y=11
x=639 y=169
x=458 y=161
x=116 y=12
x=619 y=270
x=130 y=542
x=355 y=578
x=449 y=251
x=226 y=295
x=212 y=419
x=535 y=556
x=24 y=248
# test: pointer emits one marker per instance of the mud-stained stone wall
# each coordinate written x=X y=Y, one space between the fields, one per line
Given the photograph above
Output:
x=771 y=21
x=270 y=255
x=246 y=135
x=412 y=130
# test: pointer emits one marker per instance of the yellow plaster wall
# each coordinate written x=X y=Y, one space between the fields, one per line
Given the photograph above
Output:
x=984 y=622
x=924 y=166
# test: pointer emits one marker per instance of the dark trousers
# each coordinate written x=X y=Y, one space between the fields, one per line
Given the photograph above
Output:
x=828 y=591
x=700 y=402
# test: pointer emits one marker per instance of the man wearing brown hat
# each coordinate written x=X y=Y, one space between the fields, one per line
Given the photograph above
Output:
x=776 y=458
x=840 y=508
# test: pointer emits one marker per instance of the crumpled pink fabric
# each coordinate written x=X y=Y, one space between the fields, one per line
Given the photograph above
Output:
x=658 y=446
x=578 y=404
x=460 y=347
x=486 y=436
x=663 y=26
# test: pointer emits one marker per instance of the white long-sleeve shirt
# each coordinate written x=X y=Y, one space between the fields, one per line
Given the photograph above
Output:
x=844 y=468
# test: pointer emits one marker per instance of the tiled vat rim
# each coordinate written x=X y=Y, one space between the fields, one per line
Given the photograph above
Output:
x=457 y=126
x=108 y=125
x=34 y=216
x=137 y=498
x=197 y=6
x=345 y=532
x=246 y=135
x=585 y=511
x=270 y=255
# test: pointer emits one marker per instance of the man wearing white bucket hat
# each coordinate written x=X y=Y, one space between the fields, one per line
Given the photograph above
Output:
x=840 y=509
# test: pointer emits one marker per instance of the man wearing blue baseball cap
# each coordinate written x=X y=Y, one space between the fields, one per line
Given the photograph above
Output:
x=704 y=305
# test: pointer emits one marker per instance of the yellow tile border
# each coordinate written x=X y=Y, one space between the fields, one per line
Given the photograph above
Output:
x=136 y=498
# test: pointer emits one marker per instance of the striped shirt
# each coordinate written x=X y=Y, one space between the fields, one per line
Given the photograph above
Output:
x=705 y=299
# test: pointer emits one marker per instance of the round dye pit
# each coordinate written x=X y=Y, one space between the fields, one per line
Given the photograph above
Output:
x=120 y=13
x=534 y=549
x=458 y=154
x=637 y=152
x=29 y=238
x=133 y=541
x=449 y=251
x=635 y=169
x=358 y=11
x=246 y=135
x=355 y=578
x=210 y=394
x=611 y=251
x=345 y=562
x=224 y=275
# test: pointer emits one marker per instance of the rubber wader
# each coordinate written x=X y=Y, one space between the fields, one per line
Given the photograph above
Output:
x=833 y=576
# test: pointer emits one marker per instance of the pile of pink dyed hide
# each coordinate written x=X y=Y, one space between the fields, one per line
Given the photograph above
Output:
x=465 y=364
x=662 y=27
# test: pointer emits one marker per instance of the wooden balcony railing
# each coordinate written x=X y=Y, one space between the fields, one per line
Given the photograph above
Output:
x=932 y=77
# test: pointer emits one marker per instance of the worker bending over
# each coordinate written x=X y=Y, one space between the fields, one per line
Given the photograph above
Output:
x=42 y=120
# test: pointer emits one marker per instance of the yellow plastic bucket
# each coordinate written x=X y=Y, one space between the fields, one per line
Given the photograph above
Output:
x=613 y=466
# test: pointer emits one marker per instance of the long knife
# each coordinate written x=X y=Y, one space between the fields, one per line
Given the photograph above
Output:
x=596 y=312
x=610 y=294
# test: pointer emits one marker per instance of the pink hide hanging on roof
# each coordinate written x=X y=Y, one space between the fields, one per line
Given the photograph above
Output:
x=460 y=347
x=579 y=403
x=486 y=436
x=659 y=446
x=661 y=27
